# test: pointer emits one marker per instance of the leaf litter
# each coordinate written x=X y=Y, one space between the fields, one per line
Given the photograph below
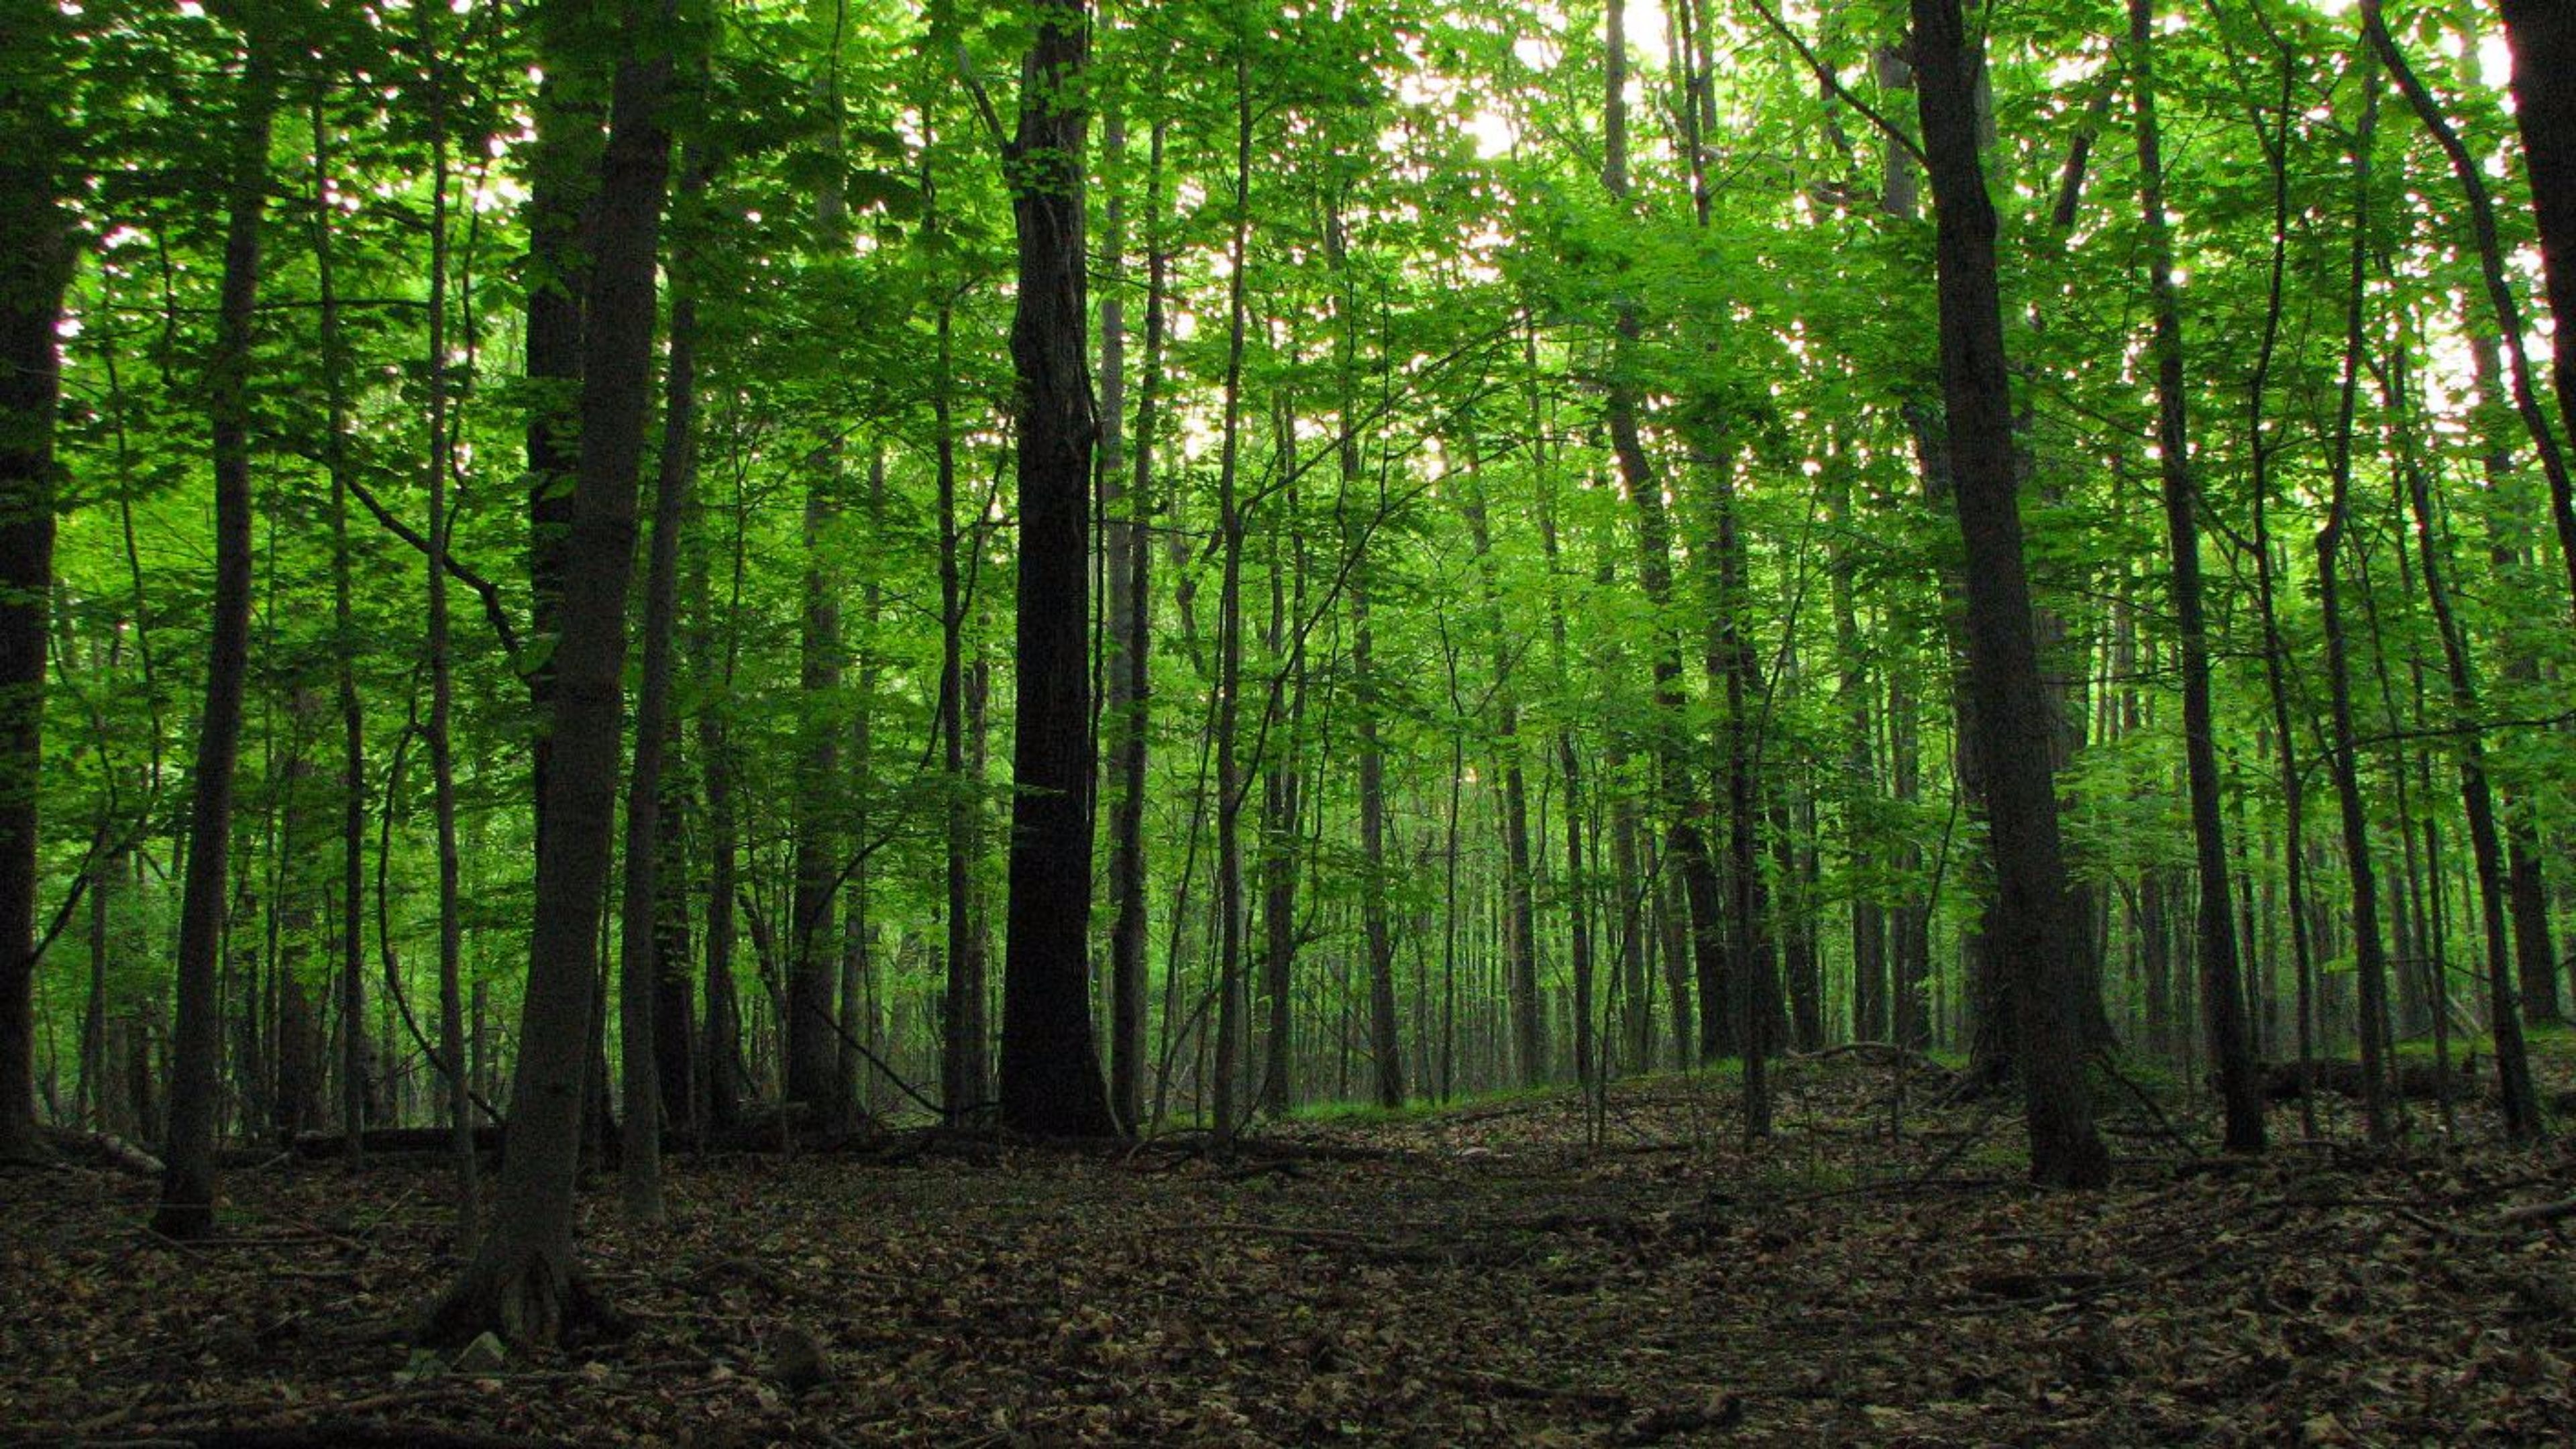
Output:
x=1546 y=1271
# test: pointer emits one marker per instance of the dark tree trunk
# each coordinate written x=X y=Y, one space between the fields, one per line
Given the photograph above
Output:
x=2542 y=34
x=563 y=179
x=813 y=1048
x=2221 y=994
x=439 y=466
x=720 y=1070
x=1051 y=1081
x=2030 y=927
x=963 y=1073
x=1131 y=555
x=187 y=1208
x=1373 y=908
x=640 y=968
x=2369 y=952
x=2514 y=1089
x=1686 y=844
x=352 y=957
x=35 y=269
x=521 y=1281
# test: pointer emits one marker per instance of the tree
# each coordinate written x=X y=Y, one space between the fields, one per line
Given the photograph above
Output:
x=2542 y=34
x=35 y=269
x=187 y=1207
x=2029 y=924
x=1050 y=1073
x=2221 y=995
x=521 y=1281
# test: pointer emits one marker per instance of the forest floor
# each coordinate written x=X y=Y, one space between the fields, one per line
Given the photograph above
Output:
x=1534 y=1271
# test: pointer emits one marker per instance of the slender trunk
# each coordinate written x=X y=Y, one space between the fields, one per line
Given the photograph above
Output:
x=352 y=962
x=1131 y=613
x=438 y=735
x=1229 y=670
x=2221 y=994
x=1520 y=982
x=2514 y=1090
x=2369 y=953
x=1686 y=844
x=639 y=1163
x=720 y=1057
x=813 y=1050
x=187 y=1208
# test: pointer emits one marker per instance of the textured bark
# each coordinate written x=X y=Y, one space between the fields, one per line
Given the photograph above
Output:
x=521 y=1282
x=2030 y=926
x=187 y=1207
x=1050 y=1073
x=35 y=268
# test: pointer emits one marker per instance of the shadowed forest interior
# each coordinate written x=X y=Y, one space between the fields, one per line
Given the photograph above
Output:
x=1467 y=646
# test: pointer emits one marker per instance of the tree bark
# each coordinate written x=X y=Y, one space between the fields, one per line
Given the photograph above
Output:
x=35 y=269
x=1051 y=1081
x=521 y=1282
x=2030 y=925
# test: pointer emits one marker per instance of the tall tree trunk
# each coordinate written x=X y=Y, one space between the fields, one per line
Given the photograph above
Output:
x=1373 y=905
x=439 y=467
x=2030 y=924
x=1229 y=627
x=352 y=963
x=521 y=1281
x=2275 y=650
x=1685 y=843
x=640 y=971
x=720 y=1056
x=813 y=1050
x=1520 y=981
x=1050 y=1072
x=2514 y=1090
x=2369 y=953
x=963 y=1074
x=35 y=269
x=2221 y=993
x=563 y=182
x=187 y=1208
x=1130 y=692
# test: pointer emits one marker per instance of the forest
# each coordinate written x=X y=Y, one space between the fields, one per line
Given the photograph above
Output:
x=1247 y=721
